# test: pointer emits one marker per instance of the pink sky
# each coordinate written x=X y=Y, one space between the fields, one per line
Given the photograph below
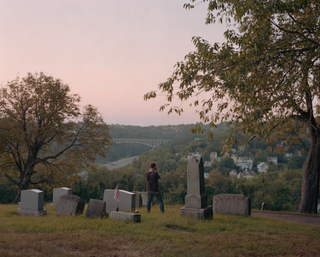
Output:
x=110 y=52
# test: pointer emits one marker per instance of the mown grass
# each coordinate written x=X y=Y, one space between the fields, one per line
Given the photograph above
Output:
x=158 y=234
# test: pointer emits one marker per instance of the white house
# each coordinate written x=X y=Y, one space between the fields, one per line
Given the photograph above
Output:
x=207 y=164
x=234 y=157
x=246 y=174
x=241 y=148
x=263 y=167
x=273 y=160
x=213 y=156
x=288 y=155
x=245 y=162
x=233 y=173
x=190 y=155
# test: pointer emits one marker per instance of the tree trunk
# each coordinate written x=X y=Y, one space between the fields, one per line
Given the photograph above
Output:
x=310 y=179
x=18 y=197
x=24 y=184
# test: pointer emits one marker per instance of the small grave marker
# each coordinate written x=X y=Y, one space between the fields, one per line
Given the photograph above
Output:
x=96 y=209
x=70 y=205
x=232 y=204
x=135 y=217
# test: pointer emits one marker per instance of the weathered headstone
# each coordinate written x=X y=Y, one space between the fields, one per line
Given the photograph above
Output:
x=196 y=204
x=135 y=217
x=144 y=199
x=70 y=205
x=126 y=203
x=138 y=199
x=96 y=209
x=32 y=202
x=58 y=192
x=232 y=204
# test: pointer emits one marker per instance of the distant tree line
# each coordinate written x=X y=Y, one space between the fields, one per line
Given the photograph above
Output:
x=279 y=189
x=150 y=132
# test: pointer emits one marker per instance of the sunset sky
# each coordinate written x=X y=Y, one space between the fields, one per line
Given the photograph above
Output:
x=110 y=52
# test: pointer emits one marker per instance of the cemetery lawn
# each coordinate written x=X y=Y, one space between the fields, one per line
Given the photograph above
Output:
x=158 y=234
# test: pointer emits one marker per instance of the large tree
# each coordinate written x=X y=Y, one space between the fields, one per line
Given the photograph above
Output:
x=264 y=78
x=46 y=138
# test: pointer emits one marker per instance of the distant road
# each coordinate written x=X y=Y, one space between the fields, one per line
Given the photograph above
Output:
x=121 y=163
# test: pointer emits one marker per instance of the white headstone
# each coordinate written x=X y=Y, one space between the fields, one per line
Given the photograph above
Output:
x=32 y=202
x=144 y=198
x=126 y=203
x=58 y=192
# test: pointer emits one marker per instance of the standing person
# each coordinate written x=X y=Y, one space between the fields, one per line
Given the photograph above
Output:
x=152 y=176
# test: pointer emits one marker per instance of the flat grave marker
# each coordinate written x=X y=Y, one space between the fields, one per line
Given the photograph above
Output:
x=232 y=204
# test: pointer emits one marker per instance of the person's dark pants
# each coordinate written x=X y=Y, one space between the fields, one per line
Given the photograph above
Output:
x=158 y=195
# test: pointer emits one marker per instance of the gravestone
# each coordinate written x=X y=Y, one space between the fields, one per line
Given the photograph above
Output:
x=138 y=199
x=196 y=203
x=135 y=217
x=126 y=203
x=70 y=205
x=32 y=202
x=96 y=209
x=58 y=192
x=232 y=204
x=144 y=199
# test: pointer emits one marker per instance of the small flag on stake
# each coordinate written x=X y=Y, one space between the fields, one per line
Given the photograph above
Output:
x=116 y=193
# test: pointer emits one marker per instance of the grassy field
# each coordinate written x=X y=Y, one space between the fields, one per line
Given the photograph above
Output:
x=157 y=235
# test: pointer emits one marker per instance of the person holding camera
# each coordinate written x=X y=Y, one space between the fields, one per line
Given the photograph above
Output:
x=152 y=177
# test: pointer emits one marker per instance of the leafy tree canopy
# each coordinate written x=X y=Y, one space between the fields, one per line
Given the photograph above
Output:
x=260 y=156
x=45 y=138
x=296 y=162
x=264 y=79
